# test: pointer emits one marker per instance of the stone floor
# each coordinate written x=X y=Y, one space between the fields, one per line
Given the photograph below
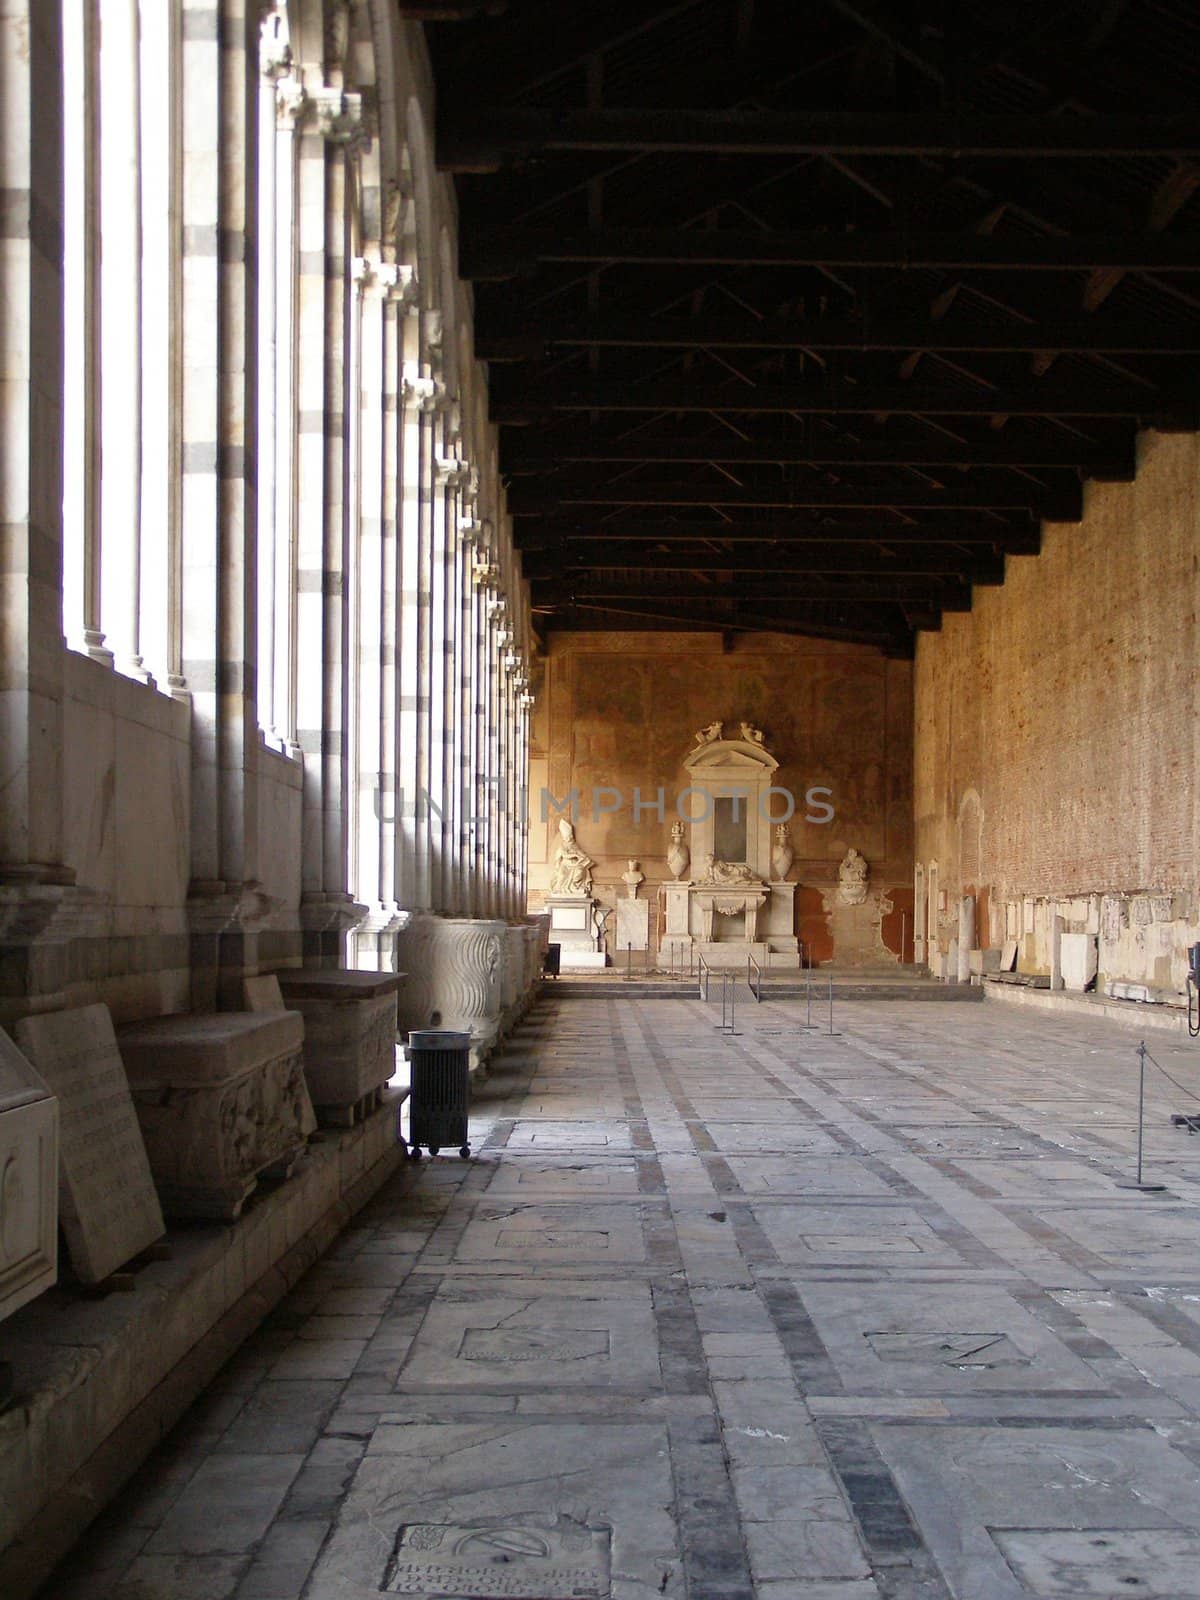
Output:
x=786 y=1314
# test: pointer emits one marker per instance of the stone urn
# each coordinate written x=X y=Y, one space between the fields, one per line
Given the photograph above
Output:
x=782 y=854
x=678 y=855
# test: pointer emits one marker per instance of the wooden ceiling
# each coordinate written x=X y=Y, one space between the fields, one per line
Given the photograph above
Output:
x=805 y=314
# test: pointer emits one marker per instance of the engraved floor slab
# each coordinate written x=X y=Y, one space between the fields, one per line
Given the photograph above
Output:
x=1154 y=1563
x=934 y=1338
x=562 y=1175
x=1042 y=1489
x=533 y=1233
x=575 y=1336
x=829 y=1234
x=499 y=1477
x=791 y=1175
x=533 y=1559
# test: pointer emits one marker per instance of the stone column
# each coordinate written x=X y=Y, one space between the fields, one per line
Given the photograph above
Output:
x=400 y=290
x=37 y=902
x=366 y=779
x=966 y=937
x=327 y=908
x=219 y=513
x=441 y=703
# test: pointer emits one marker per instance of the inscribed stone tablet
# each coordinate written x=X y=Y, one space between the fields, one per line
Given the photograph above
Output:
x=107 y=1200
x=633 y=924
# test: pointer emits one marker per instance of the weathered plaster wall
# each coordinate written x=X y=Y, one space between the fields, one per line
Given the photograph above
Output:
x=1056 y=733
x=621 y=710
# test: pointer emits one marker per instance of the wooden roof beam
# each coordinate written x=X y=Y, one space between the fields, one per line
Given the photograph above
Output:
x=475 y=138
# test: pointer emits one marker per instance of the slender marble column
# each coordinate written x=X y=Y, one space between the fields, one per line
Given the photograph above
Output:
x=31 y=464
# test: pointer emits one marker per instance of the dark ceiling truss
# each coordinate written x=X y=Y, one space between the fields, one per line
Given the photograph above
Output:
x=1062 y=504
x=501 y=253
x=524 y=402
x=481 y=138
x=541 y=453
x=1017 y=535
x=807 y=317
x=516 y=338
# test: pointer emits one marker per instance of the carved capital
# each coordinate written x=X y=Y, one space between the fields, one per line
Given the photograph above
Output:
x=472 y=530
x=451 y=473
x=290 y=100
x=399 y=282
x=339 y=116
x=426 y=394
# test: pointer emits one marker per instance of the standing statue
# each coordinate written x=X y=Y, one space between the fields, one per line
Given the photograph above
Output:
x=571 y=872
x=633 y=879
x=852 y=879
x=678 y=854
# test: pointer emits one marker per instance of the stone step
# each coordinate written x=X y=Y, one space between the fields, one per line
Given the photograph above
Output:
x=612 y=986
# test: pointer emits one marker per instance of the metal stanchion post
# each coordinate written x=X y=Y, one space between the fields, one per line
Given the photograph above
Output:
x=831 y=1033
x=1137 y=1183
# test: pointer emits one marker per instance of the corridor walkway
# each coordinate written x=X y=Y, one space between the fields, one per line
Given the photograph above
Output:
x=787 y=1315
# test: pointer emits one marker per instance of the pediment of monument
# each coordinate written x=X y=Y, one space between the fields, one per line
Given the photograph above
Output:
x=730 y=758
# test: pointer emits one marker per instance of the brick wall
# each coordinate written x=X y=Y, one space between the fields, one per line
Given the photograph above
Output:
x=1055 y=726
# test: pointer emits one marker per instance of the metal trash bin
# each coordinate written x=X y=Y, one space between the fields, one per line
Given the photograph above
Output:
x=437 y=1104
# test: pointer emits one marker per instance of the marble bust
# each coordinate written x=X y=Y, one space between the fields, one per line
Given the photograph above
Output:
x=571 y=871
x=633 y=879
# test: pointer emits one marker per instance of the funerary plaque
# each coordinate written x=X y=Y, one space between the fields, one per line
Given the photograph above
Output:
x=529 y=1560
x=107 y=1200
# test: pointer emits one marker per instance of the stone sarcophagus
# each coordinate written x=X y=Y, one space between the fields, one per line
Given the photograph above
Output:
x=28 y=1181
x=349 y=1036
x=222 y=1100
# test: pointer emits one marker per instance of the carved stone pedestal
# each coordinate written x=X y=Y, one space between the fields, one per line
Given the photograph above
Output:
x=221 y=1099
x=349 y=1036
x=465 y=979
x=28 y=1183
x=573 y=929
x=512 y=977
x=414 y=959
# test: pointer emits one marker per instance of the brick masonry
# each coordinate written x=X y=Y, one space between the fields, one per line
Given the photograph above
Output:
x=1055 y=725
